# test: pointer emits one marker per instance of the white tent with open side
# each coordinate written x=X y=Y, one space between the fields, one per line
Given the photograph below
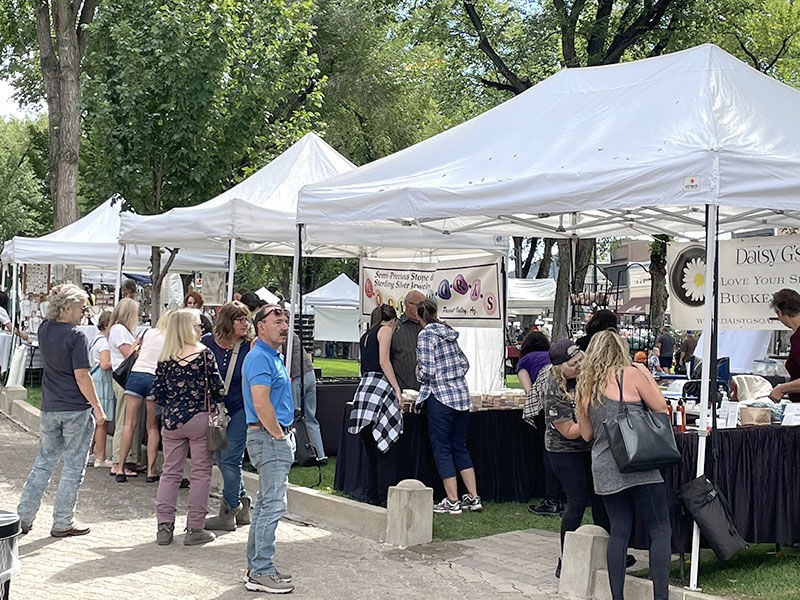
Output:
x=341 y=291
x=92 y=242
x=530 y=296
x=335 y=309
x=691 y=143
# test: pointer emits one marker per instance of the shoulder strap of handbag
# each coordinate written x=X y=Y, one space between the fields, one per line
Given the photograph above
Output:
x=206 y=401
x=232 y=365
x=622 y=407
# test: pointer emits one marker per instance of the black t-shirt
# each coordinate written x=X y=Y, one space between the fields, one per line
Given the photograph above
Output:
x=667 y=348
x=63 y=350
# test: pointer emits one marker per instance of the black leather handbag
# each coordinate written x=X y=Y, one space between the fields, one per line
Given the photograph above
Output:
x=640 y=440
x=123 y=371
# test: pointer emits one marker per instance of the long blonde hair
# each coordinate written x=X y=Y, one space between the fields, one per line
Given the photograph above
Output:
x=126 y=313
x=607 y=354
x=561 y=380
x=163 y=321
x=180 y=333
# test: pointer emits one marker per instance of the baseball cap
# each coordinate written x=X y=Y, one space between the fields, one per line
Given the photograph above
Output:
x=562 y=351
x=640 y=356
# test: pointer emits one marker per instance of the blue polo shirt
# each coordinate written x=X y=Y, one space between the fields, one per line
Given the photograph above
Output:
x=264 y=366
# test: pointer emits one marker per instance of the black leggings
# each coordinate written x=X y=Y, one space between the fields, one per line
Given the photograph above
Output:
x=574 y=471
x=650 y=502
x=382 y=468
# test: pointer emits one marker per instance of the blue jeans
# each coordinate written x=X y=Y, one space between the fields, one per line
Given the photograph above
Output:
x=310 y=385
x=68 y=434
x=447 y=428
x=273 y=459
x=229 y=460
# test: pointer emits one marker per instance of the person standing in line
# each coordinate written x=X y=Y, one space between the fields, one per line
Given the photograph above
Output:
x=5 y=319
x=230 y=344
x=534 y=355
x=269 y=407
x=608 y=378
x=441 y=367
x=195 y=300
x=687 y=351
x=404 y=343
x=138 y=389
x=122 y=342
x=599 y=321
x=665 y=345
x=377 y=415
x=100 y=363
x=129 y=290
x=309 y=382
x=187 y=382
x=569 y=454
x=70 y=409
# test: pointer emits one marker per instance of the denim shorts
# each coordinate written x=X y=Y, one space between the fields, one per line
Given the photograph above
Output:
x=140 y=384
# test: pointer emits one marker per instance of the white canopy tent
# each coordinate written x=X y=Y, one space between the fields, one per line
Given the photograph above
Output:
x=686 y=144
x=341 y=291
x=530 y=296
x=258 y=216
x=92 y=242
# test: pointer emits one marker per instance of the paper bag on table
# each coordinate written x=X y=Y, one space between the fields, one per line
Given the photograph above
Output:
x=755 y=416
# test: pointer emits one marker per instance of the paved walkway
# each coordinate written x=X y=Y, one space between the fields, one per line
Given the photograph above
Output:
x=120 y=559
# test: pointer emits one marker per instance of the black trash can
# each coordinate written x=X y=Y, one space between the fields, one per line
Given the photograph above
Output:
x=9 y=552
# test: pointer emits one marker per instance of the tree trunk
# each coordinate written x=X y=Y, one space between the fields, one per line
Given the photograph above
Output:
x=518 y=256
x=561 y=305
x=66 y=23
x=533 y=245
x=658 y=283
x=155 y=289
x=583 y=256
x=547 y=259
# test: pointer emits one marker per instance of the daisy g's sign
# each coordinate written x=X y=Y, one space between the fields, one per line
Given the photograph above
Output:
x=750 y=271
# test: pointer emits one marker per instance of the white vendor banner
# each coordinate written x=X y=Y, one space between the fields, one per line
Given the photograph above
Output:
x=469 y=292
x=750 y=271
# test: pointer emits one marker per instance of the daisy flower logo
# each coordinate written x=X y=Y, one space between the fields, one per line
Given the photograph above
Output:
x=694 y=279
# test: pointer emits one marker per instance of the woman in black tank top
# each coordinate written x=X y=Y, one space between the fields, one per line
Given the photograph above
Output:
x=377 y=395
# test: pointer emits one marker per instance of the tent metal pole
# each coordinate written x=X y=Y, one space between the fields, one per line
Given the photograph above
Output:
x=231 y=267
x=118 y=274
x=14 y=288
x=298 y=252
x=3 y=282
x=712 y=214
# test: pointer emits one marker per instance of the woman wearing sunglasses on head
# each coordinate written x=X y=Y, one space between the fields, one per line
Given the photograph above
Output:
x=230 y=344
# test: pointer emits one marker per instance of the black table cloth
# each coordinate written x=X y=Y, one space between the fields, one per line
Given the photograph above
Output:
x=505 y=451
x=331 y=401
x=759 y=472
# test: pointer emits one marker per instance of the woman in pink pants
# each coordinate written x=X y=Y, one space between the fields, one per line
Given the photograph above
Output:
x=187 y=380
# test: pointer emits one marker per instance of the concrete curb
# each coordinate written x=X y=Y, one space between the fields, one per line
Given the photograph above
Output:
x=305 y=504
x=637 y=588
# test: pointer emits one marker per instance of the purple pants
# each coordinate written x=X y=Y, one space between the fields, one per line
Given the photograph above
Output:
x=177 y=443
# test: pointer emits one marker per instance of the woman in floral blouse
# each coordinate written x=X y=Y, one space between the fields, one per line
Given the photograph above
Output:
x=186 y=371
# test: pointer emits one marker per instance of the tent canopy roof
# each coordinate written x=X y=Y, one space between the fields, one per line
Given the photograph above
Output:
x=260 y=214
x=634 y=148
x=342 y=291
x=93 y=242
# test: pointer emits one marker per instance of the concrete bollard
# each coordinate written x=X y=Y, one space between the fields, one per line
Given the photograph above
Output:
x=409 y=519
x=584 y=553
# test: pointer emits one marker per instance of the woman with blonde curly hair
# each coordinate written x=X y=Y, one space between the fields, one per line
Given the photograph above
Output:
x=569 y=455
x=608 y=378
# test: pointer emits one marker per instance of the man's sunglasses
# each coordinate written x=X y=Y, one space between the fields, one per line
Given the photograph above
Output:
x=279 y=312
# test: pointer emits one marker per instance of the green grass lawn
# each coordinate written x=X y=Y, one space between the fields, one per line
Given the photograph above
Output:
x=35 y=396
x=339 y=367
x=757 y=573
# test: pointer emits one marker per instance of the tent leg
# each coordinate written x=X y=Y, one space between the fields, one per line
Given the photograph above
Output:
x=231 y=266
x=712 y=214
x=14 y=294
x=118 y=274
x=298 y=252
x=3 y=282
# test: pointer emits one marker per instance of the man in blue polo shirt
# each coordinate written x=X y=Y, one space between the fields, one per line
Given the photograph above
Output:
x=269 y=409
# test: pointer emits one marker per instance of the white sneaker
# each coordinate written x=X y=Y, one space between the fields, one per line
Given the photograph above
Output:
x=103 y=464
x=447 y=506
x=470 y=503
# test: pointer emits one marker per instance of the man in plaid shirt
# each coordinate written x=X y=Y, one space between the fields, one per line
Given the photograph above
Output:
x=441 y=367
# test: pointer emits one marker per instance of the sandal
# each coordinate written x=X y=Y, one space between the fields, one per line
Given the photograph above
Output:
x=127 y=473
x=153 y=478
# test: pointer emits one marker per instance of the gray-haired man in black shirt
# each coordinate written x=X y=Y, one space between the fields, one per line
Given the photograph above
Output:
x=404 y=343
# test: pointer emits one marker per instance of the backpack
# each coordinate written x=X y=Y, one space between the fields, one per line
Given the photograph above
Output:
x=534 y=403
